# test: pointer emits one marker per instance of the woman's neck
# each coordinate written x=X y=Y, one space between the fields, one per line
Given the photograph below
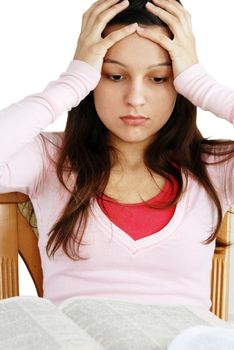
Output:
x=130 y=156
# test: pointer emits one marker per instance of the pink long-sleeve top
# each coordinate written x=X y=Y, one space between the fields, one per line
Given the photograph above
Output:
x=169 y=265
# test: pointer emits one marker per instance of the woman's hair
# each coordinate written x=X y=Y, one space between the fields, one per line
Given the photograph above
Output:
x=85 y=152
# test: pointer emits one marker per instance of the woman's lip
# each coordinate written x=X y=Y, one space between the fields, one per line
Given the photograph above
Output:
x=134 y=120
x=134 y=116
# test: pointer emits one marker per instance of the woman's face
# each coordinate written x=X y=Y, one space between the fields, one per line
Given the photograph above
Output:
x=135 y=88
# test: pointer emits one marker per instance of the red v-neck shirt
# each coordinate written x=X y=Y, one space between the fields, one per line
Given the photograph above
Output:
x=139 y=220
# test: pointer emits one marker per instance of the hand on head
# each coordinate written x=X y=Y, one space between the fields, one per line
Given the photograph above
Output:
x=182 y=48
x=91 y=47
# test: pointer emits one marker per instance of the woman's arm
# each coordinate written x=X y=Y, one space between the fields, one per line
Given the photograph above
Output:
x=22 y=156
x=21 y=122
x=204 y=91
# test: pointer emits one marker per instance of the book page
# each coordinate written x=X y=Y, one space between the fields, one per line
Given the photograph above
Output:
x=118 y=324
x=204 y=337
x=32 y=323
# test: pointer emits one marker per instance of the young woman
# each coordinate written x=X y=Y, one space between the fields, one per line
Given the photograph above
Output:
x=130 y=196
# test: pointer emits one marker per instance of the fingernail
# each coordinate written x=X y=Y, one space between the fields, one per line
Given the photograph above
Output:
x=132 y=25
x=124 y=2
x=150 y=4
x=140 y=29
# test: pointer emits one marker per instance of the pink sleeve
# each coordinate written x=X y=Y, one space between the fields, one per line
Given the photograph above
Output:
x=22 y=121
x=21 y=152
x=205 y=92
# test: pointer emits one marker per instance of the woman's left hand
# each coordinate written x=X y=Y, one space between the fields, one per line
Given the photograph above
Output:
x=182 y=48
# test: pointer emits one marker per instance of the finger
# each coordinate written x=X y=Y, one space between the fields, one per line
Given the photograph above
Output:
x=108 y=14
x=119 y=34
x=172 y=6
x=163 y=40
x=87 y=14
x=98 y=3
x=171 y=14
x=103 y=12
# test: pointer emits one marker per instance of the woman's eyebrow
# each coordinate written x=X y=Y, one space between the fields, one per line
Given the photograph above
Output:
x=109 y=60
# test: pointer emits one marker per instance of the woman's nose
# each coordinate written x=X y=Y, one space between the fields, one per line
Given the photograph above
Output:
x=135 y=95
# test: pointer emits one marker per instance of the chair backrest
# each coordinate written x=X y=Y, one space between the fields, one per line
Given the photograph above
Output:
x=17 y=236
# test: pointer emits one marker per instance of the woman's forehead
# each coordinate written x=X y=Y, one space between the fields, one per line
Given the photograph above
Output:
x=134 y=49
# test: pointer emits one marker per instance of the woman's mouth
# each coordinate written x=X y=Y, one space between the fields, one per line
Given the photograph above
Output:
x=134 y=120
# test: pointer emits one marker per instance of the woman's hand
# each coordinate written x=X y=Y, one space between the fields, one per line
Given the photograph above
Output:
x=182 y=48
x=91 y=47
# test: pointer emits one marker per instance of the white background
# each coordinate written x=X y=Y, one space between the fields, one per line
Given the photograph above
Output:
x=38 y=39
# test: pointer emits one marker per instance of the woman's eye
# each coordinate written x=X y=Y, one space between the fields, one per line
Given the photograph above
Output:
x=159 y=80
x=114 y=76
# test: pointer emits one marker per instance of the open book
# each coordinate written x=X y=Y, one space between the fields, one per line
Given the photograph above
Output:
x=96 y=323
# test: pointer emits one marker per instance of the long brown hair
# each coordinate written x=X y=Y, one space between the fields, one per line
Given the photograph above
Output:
x=85 y=152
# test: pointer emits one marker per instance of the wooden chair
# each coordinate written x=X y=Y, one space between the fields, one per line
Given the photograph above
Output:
x=17 y=236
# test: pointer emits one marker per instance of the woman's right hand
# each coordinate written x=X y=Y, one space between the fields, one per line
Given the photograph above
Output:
x=91 y=47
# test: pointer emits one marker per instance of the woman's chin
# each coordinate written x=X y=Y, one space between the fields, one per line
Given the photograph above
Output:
x=130 y=139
